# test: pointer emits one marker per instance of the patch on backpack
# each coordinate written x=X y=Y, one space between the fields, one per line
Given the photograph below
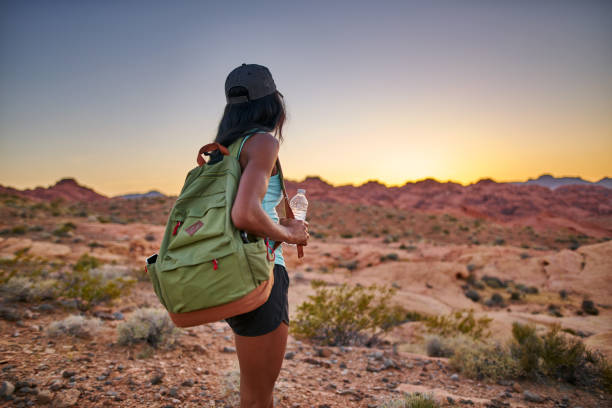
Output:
x=193 y=228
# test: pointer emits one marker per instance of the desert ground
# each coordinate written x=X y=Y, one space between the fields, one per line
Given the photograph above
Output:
x=529 y=254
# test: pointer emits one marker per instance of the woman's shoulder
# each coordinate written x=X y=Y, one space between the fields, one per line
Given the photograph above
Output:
x=263 y=143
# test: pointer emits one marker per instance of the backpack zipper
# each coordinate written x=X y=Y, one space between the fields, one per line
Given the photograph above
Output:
x=176 y=227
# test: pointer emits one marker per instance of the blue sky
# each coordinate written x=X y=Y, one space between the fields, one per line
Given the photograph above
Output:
x=121 y=94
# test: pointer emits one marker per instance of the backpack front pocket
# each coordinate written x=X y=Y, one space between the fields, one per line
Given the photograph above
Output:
x=204 y=219
x=206 y=284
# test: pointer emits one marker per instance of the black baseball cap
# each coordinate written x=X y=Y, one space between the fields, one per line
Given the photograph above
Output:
x=257 y=80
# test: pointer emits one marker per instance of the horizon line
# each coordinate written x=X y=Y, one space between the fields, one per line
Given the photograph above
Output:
x=388 y=185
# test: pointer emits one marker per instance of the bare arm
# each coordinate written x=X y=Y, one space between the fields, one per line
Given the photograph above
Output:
x=258 y=158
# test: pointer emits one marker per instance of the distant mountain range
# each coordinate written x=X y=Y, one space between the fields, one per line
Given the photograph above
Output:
x=574 y=202
x=70 y=190
x=546 y=180
x=152 y=193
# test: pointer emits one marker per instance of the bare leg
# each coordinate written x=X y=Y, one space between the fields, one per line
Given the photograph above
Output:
x=260 y=360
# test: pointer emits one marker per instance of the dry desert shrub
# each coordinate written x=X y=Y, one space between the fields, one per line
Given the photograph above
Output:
x=438 y=346
x=460 y=322
x=25 y=289
x=347 y=315
x=558 y=355
x=150 y=326
x=94 y=284
x=27 y=279
x=412 y=400
x=75 y=326
x=484 y=360
x=529 y=355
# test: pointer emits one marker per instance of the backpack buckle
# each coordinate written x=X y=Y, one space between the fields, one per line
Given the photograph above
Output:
x=214 y=157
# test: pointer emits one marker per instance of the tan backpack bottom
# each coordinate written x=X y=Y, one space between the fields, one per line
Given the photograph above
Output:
x=247 y=303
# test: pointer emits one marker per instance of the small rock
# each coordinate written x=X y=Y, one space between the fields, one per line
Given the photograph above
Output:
x=454 y=377
x=45 y=307
x=289 y=355
x=516 y=387
x=377 y=355
x=68 y=373
x=44 y=397
x=589 y=307
x=6 y=389
x=56 y=385
x=324 y=352
x=27 y=390
x=118 y=316
x=472 y=294
x=198 y=348
x=187 y=383
x=157 y=378
x=494 y=282
x=532 y=396
x=229 y=349
x=67 y=398
x=495 y=300
x=10 y=314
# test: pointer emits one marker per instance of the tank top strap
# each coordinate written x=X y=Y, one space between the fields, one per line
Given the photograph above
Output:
x=236 y=148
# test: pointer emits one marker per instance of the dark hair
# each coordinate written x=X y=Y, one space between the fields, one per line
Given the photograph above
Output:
x=266 y=113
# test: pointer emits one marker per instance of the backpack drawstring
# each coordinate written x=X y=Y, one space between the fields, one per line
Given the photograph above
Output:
x=178 y=224
x=268 y=252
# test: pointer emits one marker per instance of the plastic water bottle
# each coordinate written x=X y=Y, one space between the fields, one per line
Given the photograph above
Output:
x=299 y=205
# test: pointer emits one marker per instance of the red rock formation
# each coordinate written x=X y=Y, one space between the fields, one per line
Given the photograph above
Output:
x=66 y=189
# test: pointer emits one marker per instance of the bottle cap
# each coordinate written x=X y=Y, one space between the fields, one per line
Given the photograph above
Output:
x=301 y=191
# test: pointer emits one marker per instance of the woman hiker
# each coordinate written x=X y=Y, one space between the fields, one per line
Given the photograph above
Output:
x=255 y=108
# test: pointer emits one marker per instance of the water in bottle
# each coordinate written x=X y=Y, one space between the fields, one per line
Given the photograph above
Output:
x=299 y=205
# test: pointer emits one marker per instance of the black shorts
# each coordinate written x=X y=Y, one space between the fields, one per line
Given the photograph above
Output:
x=267 y=317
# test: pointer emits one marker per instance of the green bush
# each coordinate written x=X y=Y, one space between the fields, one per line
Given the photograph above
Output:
x=75 y=326
x=19 y=230
x=562 y=356
x=459 y=322
x=347 y=315
x=150 y=326
x=64 y=230
x=95 y=287
x=412 y=400
x=389 y=257
x=557 y=355
x=526 y=348
x=86 y=262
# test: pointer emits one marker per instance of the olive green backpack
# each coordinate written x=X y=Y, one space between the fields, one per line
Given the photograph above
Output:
x=205 y=271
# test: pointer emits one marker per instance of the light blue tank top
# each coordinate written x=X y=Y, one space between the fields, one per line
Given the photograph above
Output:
x=272 y=198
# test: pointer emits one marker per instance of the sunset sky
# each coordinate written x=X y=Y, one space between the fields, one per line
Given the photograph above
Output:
x=121 y=94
